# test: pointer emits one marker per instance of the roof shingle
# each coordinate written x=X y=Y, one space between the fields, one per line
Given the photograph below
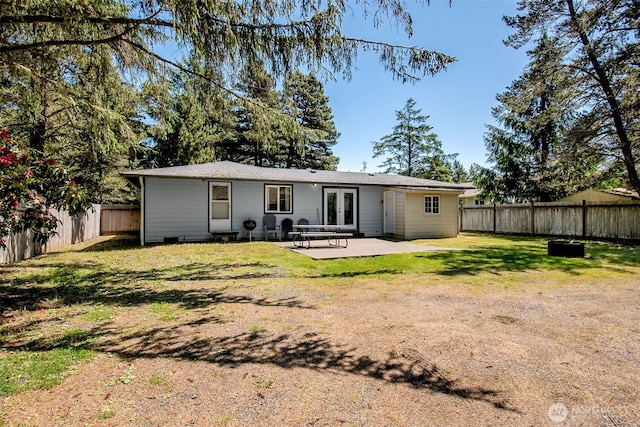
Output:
x=237 y=171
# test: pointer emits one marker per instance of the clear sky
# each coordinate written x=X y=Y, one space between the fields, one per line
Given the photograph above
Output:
x=458 y=101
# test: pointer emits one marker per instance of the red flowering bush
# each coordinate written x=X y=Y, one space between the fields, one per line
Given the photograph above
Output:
x=29 y=187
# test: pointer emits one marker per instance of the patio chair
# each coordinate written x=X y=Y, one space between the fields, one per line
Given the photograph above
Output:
x=270 y=226
x=286 y=227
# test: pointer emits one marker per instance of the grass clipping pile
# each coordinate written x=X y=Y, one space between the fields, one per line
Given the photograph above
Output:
x=211 y=335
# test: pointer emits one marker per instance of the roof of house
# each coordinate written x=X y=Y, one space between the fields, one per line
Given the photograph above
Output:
x=601 y=195
x=238 y=171
x=623 y=192
x=471 y=191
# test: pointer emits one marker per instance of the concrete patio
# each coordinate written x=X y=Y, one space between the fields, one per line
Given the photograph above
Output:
x=320 y=249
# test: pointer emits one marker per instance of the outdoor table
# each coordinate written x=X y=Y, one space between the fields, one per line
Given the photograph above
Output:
x=331 y=232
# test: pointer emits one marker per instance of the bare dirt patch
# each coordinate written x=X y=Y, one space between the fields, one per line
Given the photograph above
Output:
x=273 y=350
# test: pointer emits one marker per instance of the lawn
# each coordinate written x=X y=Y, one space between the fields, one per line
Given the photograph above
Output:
x=109 y=333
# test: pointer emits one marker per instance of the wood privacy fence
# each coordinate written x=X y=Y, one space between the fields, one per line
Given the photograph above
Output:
x=619 y=221
x=120 y=219
x=101 y=220
x=71 y=229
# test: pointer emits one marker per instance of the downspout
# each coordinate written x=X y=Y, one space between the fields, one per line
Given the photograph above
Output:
x=142 y=211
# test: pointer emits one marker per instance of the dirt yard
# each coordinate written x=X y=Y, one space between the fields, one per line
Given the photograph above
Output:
x=524 y=348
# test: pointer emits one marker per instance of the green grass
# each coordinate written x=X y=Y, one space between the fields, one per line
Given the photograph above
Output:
x=158 y=380
x=27 y=370
x=98 y=314
x=255 y=329
x=62 y=303
x=106 y=412
x=164 y=311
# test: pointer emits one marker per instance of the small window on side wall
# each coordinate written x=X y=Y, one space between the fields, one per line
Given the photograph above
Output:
x=431 y=205
x=277 y=199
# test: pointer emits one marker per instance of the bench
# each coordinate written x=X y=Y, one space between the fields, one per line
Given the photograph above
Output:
x=227 y=234
x=305 y=236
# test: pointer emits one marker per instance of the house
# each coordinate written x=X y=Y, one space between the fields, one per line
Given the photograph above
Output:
x=614 y=195
x=471 y=196
x=189 y=203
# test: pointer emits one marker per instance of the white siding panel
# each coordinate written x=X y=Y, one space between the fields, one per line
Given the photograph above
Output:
x=248 y=202
x=420 y=225
x=176 y=208
x=371 y=211
x=400 y=214
x=307 y=203
x=179 y=208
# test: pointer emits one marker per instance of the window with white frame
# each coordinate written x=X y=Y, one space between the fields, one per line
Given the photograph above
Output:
x=431 y=204
x=277 y=199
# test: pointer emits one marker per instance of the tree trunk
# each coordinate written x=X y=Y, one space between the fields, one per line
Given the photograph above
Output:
x=614 y=107
x=37 y=135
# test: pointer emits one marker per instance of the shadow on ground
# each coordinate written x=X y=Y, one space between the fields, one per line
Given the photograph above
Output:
x=80 y=283
x=500 y=259
x=309 y=351
x=88 y=283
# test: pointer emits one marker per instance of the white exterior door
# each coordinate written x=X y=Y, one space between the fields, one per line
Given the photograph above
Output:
x=219 y=206
x=341 y=206
x=389 y=212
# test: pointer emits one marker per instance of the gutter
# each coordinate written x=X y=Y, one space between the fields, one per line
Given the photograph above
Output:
x=456 y=190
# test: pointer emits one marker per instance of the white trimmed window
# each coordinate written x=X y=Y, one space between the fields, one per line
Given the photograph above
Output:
x=431 y=204
x=277 y=198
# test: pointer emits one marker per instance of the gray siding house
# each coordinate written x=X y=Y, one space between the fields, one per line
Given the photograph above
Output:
x=190 y=203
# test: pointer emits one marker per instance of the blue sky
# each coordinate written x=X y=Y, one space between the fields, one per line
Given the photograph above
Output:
x=458 y=101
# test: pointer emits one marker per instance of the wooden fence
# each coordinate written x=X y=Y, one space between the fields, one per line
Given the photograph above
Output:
x=120 y=219
x=71 y=230
x=619 y=221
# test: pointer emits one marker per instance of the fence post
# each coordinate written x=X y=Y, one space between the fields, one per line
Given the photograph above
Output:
x=533 y=221
x=494 y=219
x=584 y=219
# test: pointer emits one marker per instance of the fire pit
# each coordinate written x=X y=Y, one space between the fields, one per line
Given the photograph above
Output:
x=570 y=249
x=249 y=225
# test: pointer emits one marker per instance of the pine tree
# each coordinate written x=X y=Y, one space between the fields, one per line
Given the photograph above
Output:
x=193 y=116
x=48 y=47
x=286 y=35
x=459 y=173
x=258 y=122
x=530 y=113
x=598 y=45
x=538 y=151
x=304 y=100
x=82 y=113
x=412 y=148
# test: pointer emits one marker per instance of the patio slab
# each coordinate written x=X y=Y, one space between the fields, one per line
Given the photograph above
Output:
x=320 y=249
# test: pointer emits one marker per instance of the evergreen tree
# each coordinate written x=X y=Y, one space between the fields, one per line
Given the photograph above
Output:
x=192 y=114
x=304 y=100
x=285 y=35
x=539 y=151
x=597 y=42
x=523 y=149
x=259 y=126
x=49 y=49
x=412 y=148
x=79 y=111
x=459 y=173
